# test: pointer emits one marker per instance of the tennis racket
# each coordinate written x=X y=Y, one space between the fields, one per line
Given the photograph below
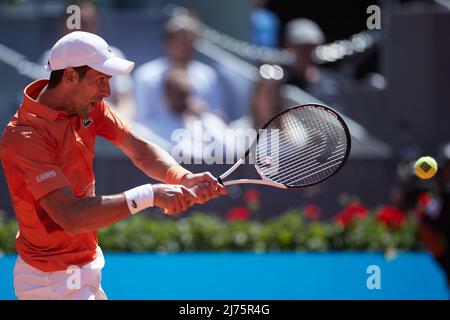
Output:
x=299 y=147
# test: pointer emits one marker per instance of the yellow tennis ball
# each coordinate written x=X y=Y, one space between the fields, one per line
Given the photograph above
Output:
x=426 y=167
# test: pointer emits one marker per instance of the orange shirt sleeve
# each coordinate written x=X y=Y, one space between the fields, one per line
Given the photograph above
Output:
x=108 y=125
x=31 y=158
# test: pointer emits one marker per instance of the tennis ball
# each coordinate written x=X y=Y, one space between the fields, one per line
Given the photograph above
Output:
x=425 y=167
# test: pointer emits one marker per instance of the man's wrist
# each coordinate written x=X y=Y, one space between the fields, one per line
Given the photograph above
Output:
x=176 y=174
x=183 y=179
x=139 y=198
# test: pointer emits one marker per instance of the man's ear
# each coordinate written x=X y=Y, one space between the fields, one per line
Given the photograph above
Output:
x=70 y=76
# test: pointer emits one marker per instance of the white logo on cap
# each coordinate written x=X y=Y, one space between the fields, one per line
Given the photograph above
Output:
x=46 y=175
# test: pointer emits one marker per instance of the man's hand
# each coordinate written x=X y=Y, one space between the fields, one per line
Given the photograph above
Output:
x=204 y=185
x=173 y=198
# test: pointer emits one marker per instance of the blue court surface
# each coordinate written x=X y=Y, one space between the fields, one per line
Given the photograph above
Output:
x=231 y=275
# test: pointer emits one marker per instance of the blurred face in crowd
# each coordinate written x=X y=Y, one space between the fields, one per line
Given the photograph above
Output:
x=303 y=54
x=179 y=46
x=266 y=101
x=178 y=89
x=89 y=17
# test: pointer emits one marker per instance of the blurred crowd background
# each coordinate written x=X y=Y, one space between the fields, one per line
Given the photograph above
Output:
x=235 y=64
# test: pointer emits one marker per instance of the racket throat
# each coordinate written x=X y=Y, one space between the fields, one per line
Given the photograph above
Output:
x=255 y=181
x=229 y=171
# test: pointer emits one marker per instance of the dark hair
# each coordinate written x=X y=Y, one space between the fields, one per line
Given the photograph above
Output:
x=56 y=75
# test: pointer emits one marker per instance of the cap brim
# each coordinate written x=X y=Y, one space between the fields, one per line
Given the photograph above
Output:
x=114 y=66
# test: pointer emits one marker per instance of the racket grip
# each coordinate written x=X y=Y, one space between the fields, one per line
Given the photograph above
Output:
x=193 y=190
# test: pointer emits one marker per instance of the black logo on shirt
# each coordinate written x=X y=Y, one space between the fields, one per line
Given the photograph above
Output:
x=133 y=203
x=87 y=122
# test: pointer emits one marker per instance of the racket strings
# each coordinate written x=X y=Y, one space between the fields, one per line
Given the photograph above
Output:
x=305 y=145
x=306 y=160
x=288 y=154
x=308 y=157
x=306 y=169
x=309 y=164
x=310 y=153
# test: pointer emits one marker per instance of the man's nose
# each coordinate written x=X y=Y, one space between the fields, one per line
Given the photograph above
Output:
x=106 y=90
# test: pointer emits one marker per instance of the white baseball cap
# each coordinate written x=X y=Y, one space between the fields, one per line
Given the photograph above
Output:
x=81 y=48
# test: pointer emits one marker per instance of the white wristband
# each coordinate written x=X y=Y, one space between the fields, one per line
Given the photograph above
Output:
x=139 y=198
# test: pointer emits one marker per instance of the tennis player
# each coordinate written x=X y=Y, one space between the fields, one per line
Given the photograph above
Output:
x=47 y=152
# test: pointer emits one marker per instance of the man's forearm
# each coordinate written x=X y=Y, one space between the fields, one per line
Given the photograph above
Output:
x=151 y=159
x=84 y=214
x=90 y=214
x=154 y=162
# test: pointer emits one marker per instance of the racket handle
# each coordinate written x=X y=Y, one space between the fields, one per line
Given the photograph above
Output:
x=193 y=190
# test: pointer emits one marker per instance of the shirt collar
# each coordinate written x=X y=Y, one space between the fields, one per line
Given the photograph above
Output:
x=30 y=94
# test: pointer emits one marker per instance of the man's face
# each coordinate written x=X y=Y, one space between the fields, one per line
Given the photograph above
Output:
x=178 y=89
x=180 y=46
x=303 y=54
x=267 y=100
x=88 y=91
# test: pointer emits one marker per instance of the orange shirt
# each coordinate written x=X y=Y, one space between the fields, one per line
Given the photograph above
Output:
x=43 y=150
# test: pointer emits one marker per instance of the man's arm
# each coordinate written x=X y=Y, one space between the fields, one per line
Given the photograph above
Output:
x=158 y=164
x=77 y=215
x=83 y=214
x=148 y=157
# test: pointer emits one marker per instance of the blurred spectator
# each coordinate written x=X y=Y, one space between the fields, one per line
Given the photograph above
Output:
x=429 y=201
x=408 y=189
x=302 y=36
x=189 y=112
x=264 y=24
x=434 y=228
x=266 y=100
x=265 y=103
x=180 y=35
x=121 y=99
x=407 y=147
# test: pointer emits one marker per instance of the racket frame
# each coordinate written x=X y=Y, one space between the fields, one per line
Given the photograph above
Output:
x=267 y=181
